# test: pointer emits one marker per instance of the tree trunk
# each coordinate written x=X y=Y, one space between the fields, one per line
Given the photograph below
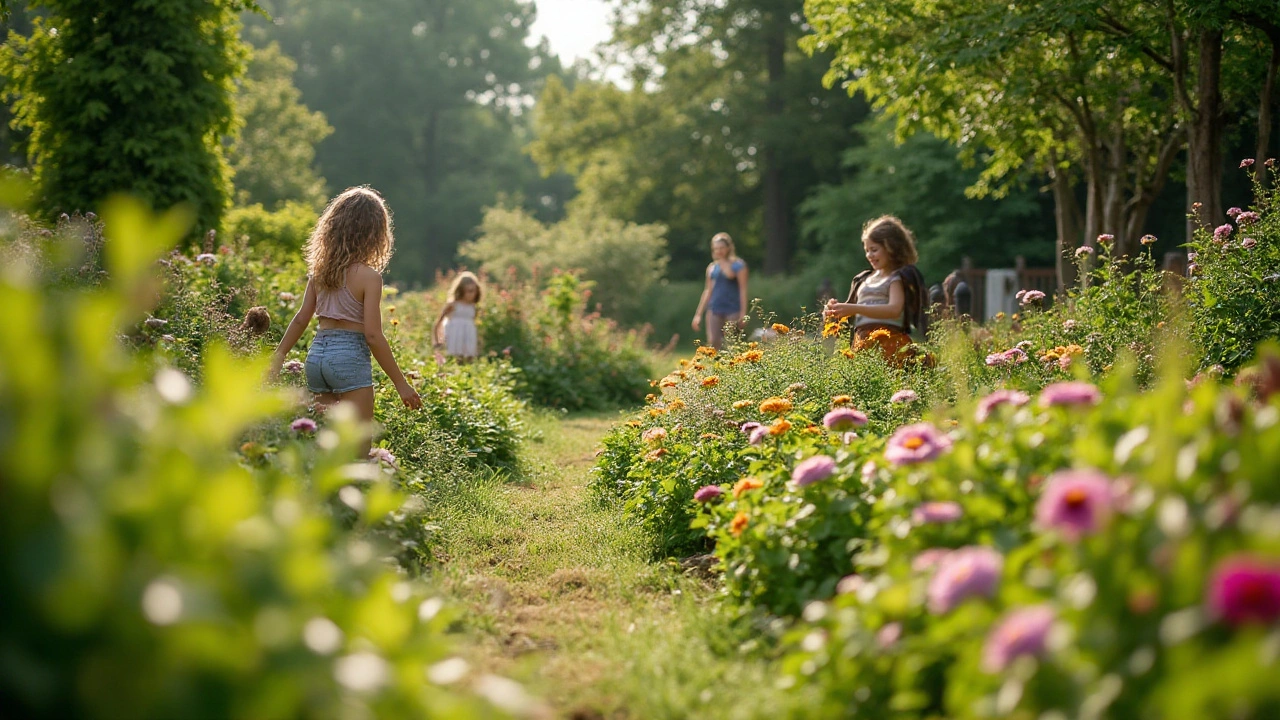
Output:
x=1204 y=138
x=1066 y=214
x=1113 y=211
x=1264 y=114
x=776 y=251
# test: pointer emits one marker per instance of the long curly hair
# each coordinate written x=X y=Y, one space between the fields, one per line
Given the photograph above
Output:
x=354 y=228
x=892 y=234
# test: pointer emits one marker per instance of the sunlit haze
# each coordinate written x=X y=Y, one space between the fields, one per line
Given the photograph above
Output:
x=573 y=27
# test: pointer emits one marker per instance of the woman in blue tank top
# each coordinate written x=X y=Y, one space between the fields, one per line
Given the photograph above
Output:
x=724 y=299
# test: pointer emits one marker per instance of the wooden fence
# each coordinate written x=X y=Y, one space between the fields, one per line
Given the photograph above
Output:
x=1043 y=279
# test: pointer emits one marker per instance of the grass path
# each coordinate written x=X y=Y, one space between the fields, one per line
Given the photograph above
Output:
x=558 y=594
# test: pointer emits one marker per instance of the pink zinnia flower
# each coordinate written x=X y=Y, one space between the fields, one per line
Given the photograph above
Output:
x=749 y=427
x=816 y=468
x=986 y=405
x=1234 y=213
x=1246 y=163
x=1032 y=296
x=293 y=367
x=1246 y=590
x=383 y=455
x=868 y=470
x=1248 y=243
x=888 y=635
x=916 y=443
x=971 y=571
x=758 y=434
x=1248 y=218
x=844 y=419
x=1105 y=238
x=1069 y=393
x=707 y=493
x=1008 y=357
x=906 y=395
x=1075 y=502
x=1022 y=632
x=1068 y=325
x=303 y=425
x=1083 y=250
x=1222 y=232
x=937 y=512
x=928 y=559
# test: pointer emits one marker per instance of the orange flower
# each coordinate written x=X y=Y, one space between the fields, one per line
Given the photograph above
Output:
x=684 y=363
x=650 y=398
x=709 y=436
x=752 y=355
x=878 y=333
x=655 y=412
x=745 y=484
x=699 y=366
x=847 y=353
x=738 y=524
x=779 y=427
x=839 y=400
x=743 y=404
x=707 y=350
x=655 y=455
x=676 y=404
x=776 y=405
x=813 y=430
x=669 y=382
x=633 y=423
x=781 y=329
x=753 y=345
x=711 y=381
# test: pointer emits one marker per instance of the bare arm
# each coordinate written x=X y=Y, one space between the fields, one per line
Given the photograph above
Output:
x=742 y=294
x=297 y=326
x=702 y=302
x=435 y=329
x=378 y=344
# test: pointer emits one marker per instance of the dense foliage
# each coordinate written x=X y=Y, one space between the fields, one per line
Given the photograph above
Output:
x=139 y=108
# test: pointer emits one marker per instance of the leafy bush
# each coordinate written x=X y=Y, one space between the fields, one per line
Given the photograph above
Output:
x=622 y=260
x=1235 y=276
x=148 y=570
x=280 y=232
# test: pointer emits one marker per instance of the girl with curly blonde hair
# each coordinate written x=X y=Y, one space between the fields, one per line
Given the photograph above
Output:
x=346 y=254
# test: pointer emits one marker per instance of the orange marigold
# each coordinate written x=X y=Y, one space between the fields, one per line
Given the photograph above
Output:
x=676 y=404
x=739 y=524
x=745 y=484
x=779 y=427
x=878 y=333
x=656 y=411
x=651 y=398
x=684 y=363
x=781 y=329
x=655 y=455
x=776 y=405
x=743 y=404
x=710 y=381
x=707 y=350
x=668 y=382
x=752 y=355
x=699 y=366
x=709 y=436
x=839 y=400
x=847 y=353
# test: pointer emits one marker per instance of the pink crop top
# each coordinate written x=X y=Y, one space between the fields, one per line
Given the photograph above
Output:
x=338 y=304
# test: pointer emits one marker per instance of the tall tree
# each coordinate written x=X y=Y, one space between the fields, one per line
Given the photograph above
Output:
x=128 y=96
x=274 y=153
x=428 y=100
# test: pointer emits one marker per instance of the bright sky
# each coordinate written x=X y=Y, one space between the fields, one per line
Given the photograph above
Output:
x=573 y=27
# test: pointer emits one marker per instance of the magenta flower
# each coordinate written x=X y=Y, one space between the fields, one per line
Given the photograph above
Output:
x=758 y=434
x=1008 y=357
x=1022 y=632
x=1246 y=590
x=1069 y=393
x=1032 y=296
x=1106 y=238
x=707 y=493
x=1075 y=503
x=1083 y=250
x=929 y=559
x=384 y=456
x=303 y=425
x=816 y=468
x=1248 y=218
x=971 y=571
x=293 y=367
x=937 y=512
x=844 y=419
x=1222 y=232
x=988 y=404
x=1248 y=243
x=1234 y=213
x=906 y=395
x=916 y=443
x=749 y=427
x=1246 y=163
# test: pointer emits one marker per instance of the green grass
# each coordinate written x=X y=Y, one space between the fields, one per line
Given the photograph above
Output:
x=557 y=593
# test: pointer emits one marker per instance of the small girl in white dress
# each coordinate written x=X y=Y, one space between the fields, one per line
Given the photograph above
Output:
x=455 y=329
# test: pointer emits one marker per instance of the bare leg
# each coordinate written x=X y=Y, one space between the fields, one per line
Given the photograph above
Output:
x=326 y=400
x=362 y=400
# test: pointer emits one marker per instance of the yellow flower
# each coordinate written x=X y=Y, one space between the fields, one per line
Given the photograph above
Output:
x=739 y=524
x=710 y=381
x=707 y=350
x=1000 y=316
x=633 y=423
x=655 y=412
x=776 y=405
x=668 y=382
x=395 y=322
x=779 y=427
x=676 y=404
x=839 y=400
x=650 y=398
x=813 y=430
x=745 y=484
x=752 y=355
x=699 y=366
x=743 y=404
x=753 y=345
x=684 y=363
x=879 y=333
x=391 y=309
x=847 y=353
x=781 y=329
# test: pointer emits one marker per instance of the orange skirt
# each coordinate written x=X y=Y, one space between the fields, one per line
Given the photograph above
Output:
x=896 y=346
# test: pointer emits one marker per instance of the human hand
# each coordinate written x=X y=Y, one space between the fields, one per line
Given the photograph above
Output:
x=409 y=397
x=697 y=323
x=741 y=322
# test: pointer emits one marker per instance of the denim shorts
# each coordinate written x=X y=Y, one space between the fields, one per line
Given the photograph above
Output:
x=338 y=362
